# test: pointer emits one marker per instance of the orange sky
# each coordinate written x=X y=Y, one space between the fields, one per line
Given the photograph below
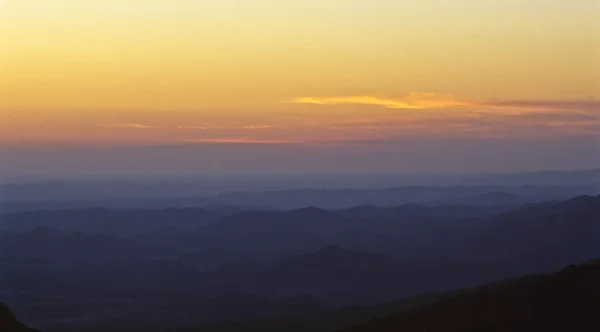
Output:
x=299 y=72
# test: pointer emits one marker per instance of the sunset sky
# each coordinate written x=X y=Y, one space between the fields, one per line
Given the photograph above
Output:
x=310 y=75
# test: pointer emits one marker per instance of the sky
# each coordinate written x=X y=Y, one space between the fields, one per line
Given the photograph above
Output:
x=299 y=85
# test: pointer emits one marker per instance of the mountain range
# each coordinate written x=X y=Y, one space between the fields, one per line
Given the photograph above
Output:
x=70 y=275
x=287 y=199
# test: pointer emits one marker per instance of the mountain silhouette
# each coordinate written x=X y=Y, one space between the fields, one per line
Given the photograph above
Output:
x=562 y=232
x=334 y=255
x=358 y=256
x=52 y=243
x=490 y=199
x=565 y=301
x=332 y=274
x=9 y=323
x=122 y=222
x=207 y=260
x=530 y=303
x=270 y=234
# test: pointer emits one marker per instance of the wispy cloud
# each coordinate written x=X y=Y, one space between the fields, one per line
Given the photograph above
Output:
x=257 y=127
x=242 y=140
x=581 y=105
x=418 y=100
x=414 y=100
x=193 y=127
x=129 y=125
x=230 y=127
x=294 y=141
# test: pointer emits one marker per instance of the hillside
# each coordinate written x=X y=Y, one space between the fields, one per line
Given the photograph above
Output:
x=556 y=300
x=565 y=301
x=9 y=323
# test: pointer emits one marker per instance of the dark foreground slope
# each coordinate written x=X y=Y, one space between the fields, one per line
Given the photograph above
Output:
x=565 y=301
x=568 y=300
x=326 y=321
x=9 y=323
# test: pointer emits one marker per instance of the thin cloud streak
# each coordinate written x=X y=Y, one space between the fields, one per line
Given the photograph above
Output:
x=416 y=100
x=293 y=141
x=257 y=127
x=413 y=100
x=581 y=105
x=129 y=125
x=242 y=140
x=215 y=127
x=193 y=127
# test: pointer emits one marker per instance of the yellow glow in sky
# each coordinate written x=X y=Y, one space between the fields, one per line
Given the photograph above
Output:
x=154 y=72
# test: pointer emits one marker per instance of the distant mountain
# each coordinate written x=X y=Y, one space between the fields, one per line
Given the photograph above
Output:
x=55 y=245
x=122 y=222
x=332 y=274
x=545 y=178
x=345 y=198
x=207 y=260
x=172 y=231
x=93 y=279
x=408 y=232
x=161 y=186
x=9 y=323
x=280 y=234
x=269 y=234
x=490 y=199
x=546 y=235
x=564 y=301
x=460 y=210
x=357 y=256
x=304 y=218
x=318 y=196
x=341 y=258
x=39 y=258
x=340 y=275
